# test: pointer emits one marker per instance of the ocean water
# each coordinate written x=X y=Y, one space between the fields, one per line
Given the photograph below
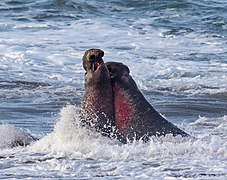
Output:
x=177 y=54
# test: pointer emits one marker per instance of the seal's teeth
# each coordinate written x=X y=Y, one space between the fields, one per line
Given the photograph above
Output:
x=93 y=67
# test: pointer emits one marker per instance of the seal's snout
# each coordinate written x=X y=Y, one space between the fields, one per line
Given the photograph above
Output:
x=95 y=54
x=92 y=59
x=117 y=70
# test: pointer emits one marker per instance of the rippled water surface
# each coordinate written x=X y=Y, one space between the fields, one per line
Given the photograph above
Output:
x=177 y=54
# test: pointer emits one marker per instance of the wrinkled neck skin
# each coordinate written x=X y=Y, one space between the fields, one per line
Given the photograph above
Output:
x=125 y=93
x=97 y=78
x=97 y=106
x=135 y=118
x=123 y=89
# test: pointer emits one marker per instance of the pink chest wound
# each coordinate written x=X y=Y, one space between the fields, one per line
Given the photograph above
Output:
x=123 y=110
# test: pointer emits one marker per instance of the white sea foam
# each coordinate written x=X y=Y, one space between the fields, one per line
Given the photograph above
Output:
x=31 y=25
x=11 y=136
x=68 y=135
x=73 y=151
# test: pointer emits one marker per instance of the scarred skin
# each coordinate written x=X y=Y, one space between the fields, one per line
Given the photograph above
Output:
x=97 y=105
x=135 y=118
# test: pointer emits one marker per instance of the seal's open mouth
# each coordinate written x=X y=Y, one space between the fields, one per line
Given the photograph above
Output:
x=92 y=59
x=96 y=65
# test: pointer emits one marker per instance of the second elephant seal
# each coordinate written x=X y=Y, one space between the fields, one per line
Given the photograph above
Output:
x=135 y=118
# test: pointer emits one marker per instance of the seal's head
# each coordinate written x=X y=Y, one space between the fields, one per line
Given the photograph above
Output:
x=96 y=71
x=92 y=59
x=117 y=70
x=119 y=74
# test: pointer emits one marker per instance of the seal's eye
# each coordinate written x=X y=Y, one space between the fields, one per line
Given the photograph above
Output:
x=92 y=58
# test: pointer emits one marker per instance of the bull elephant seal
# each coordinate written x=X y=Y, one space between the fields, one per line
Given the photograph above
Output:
x=97 y=105
x=135 y=118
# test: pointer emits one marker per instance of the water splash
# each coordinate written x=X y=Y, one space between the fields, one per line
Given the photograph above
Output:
x=12 y=136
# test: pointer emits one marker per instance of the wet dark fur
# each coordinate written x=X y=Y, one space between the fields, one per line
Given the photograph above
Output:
x=97 y=105
x=135 y=118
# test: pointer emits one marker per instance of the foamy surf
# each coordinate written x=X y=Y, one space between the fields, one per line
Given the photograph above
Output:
x=12 y=136
x=69 y=136
x=74 y=151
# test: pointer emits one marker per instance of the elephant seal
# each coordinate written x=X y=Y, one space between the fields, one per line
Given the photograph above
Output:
x=135 y=118
x=97 y=105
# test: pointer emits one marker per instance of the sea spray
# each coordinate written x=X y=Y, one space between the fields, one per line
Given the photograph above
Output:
x=69 y=136
x=12 y=136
